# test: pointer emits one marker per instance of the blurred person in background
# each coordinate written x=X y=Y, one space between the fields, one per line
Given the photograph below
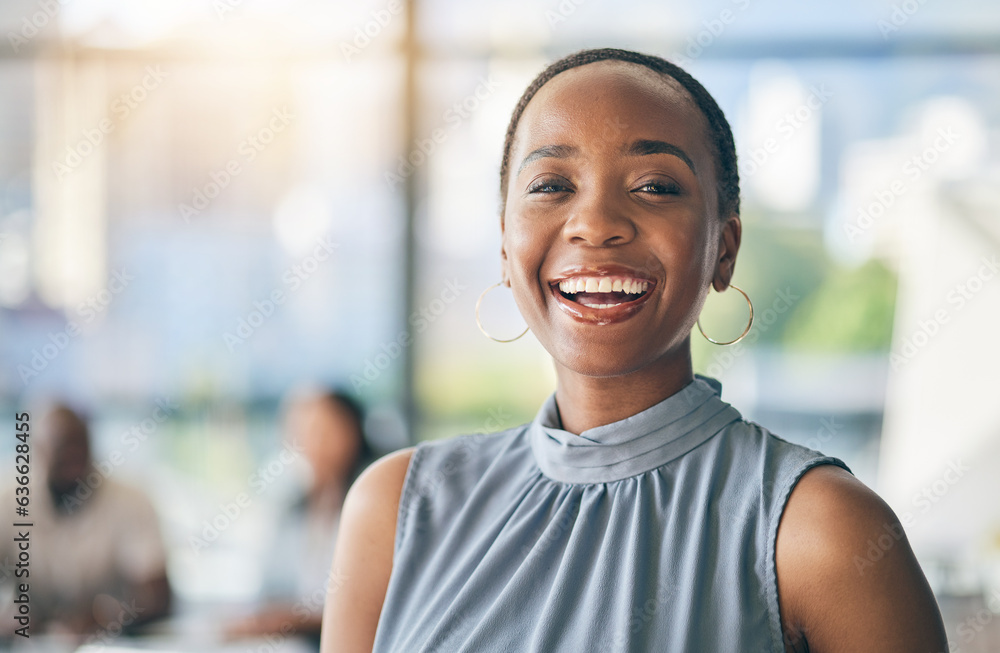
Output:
x=326 y=428
x=98 y=561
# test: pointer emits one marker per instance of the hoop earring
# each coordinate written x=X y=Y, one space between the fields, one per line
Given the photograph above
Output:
x=745 y=331
x=480 y=324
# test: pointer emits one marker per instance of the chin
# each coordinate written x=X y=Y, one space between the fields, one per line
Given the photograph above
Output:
x=606 y=355
x=599 y=361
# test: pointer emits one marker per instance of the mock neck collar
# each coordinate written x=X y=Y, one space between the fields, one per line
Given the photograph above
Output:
x=634 y=445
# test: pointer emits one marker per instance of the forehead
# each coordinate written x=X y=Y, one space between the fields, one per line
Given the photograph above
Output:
x=610 y=103
x=318 y=408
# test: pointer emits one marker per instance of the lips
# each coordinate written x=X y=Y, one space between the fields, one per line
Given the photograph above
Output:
x=602 y=295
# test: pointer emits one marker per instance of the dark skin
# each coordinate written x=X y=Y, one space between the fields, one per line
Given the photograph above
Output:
x=66 y=447
x=590 y=201
x=601 y=206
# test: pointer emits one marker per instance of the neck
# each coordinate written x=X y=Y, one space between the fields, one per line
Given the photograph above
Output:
x=586 y=402
x=328 y=492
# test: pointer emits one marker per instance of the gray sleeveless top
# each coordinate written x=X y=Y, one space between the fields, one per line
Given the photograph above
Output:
x=654 y=533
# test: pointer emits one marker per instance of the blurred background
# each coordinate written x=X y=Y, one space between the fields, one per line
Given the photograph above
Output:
x=205 y=204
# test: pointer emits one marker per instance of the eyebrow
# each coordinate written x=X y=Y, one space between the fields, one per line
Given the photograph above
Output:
x=643 y=147
x=555 y=151
x=646 y=147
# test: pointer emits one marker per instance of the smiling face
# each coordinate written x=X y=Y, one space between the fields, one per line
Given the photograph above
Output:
x=611 y=233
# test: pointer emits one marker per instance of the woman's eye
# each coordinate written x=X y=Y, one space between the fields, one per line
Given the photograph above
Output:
x=659 y=188
x=547 y=186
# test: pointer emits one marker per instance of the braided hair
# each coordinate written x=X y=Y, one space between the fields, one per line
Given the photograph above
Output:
x=720 y=133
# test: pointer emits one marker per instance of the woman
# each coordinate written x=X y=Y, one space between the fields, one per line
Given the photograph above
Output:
x=326 y=426
x=638 y=512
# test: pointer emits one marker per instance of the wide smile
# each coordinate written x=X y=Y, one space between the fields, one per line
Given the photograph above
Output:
x=601 y=296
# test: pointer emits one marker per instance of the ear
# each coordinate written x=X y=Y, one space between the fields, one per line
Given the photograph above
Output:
x=729 y=245
x=504 y=263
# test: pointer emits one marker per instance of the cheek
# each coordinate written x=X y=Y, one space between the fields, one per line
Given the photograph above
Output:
x=701 y=273
x=686 y=255
x=525 y=247
x=340 y=453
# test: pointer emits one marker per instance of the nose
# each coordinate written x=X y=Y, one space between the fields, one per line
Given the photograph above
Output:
x=599 y=220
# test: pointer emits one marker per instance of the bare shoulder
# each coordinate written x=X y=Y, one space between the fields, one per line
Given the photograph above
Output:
x=847 y=577
x=362 y=560
x=378 y=488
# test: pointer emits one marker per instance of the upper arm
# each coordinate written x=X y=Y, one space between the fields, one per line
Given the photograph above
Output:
x=362 y=559
x=847 y=577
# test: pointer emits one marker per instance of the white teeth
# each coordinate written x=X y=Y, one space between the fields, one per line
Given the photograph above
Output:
x=634 y=287
x=603 y=284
